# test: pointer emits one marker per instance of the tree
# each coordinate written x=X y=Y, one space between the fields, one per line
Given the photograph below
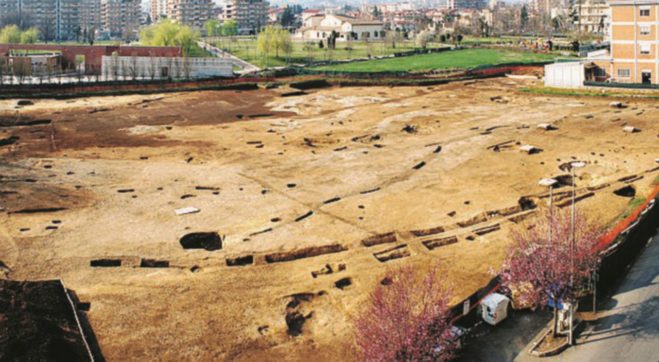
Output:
x=392 y=37
x=30 y=36
x=544 y=263
x=309 y=47
x=523 y=18
x=287 y=17
x=47 y=28
x=423 y=38
x=376 y=12
x=230 y=28
x=10 y=34
x=167 y=33
x=213 y=27
x=407 y=318
x=274 y=39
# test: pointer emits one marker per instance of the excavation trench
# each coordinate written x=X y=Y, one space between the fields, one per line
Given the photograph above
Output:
x=304 y=253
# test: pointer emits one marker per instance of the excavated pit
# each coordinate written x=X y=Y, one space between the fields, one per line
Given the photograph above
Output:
x=240 y=260
x=627 y=191
x=202 y=240
x=304 y=253
x=427 y=232
x=153 y=263
x=436 y=243
x=343 y=283
x=396 y=252
x=105 y=263
x=386 y=238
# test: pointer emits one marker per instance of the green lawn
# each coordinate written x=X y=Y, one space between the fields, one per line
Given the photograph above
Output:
x=463 y=59
x=245 y=48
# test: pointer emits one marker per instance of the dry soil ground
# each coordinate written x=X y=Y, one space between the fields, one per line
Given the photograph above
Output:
x=283 y=179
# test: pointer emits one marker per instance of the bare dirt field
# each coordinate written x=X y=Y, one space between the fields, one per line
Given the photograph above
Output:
x=306 y=202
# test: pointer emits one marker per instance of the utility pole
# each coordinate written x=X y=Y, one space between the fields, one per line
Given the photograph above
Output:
x=579 y=24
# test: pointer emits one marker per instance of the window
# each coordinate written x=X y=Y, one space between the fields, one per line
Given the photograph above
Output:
x=645 y=49
x=645 y=11
x=623 y=73
x=645 y=30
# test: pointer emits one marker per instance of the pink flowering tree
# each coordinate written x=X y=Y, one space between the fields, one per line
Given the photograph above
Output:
x=407 y=318
x=544 y=264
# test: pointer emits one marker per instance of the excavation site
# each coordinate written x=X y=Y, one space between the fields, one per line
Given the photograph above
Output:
x=253 y=224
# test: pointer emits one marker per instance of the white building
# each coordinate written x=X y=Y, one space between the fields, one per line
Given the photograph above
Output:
x=164 y=67
x=321 y=26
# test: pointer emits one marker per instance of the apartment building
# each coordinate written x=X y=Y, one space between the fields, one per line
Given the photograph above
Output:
x=193 y=13
x=250 y=15
x=121 y=18
x=634 y=34
x=90 y=15
x=594 y=17
x=158 y=10
x=56 y=19
x=467 y=4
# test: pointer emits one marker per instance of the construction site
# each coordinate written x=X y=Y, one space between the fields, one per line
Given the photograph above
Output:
x=253 y=224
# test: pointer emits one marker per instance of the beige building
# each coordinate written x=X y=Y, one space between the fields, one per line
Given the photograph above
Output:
x=192 y=13
x=158 y=10
x=320 y=26
x=594 y=17
x=121 y=18
x=634 y=35
x=251 y=15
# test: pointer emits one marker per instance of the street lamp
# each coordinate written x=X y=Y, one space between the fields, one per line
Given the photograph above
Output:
x=573 y=167
x=549 y=182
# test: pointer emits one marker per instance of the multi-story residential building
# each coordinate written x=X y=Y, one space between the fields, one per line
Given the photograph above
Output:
x=10 y=9
x=56 y=19
x=467 y=4
x=121 y=18
x=90 y=15
x=158 y=10
x=594 y=16
x=634 y=34
x=250 y=15
x=192 y=13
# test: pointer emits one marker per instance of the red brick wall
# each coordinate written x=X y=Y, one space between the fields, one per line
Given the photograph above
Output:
x=93 y=53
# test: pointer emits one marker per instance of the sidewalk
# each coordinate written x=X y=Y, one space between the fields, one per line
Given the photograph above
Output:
x=626 y=327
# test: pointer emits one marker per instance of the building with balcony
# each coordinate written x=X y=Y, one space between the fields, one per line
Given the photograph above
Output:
x=121 y=18
x=634 y=34
x=193 y=13
x=250 y=15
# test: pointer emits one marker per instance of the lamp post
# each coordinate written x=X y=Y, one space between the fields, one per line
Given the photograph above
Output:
x=549 y=182
x=573 y=167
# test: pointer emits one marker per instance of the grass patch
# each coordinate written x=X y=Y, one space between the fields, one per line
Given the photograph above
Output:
x=245 y=48
x=458 y=59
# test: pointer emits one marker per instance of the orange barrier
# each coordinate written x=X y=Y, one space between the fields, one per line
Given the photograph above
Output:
x=615 y=231
x=606 y=240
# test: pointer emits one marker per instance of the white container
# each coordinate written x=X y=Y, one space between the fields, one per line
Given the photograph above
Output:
x=494 y=308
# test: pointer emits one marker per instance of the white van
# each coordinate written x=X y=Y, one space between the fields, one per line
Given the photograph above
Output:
x=494 y=308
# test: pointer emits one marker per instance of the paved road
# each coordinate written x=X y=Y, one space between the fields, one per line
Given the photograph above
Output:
x=626 y=327
x=505 y=341
x=245 y=66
